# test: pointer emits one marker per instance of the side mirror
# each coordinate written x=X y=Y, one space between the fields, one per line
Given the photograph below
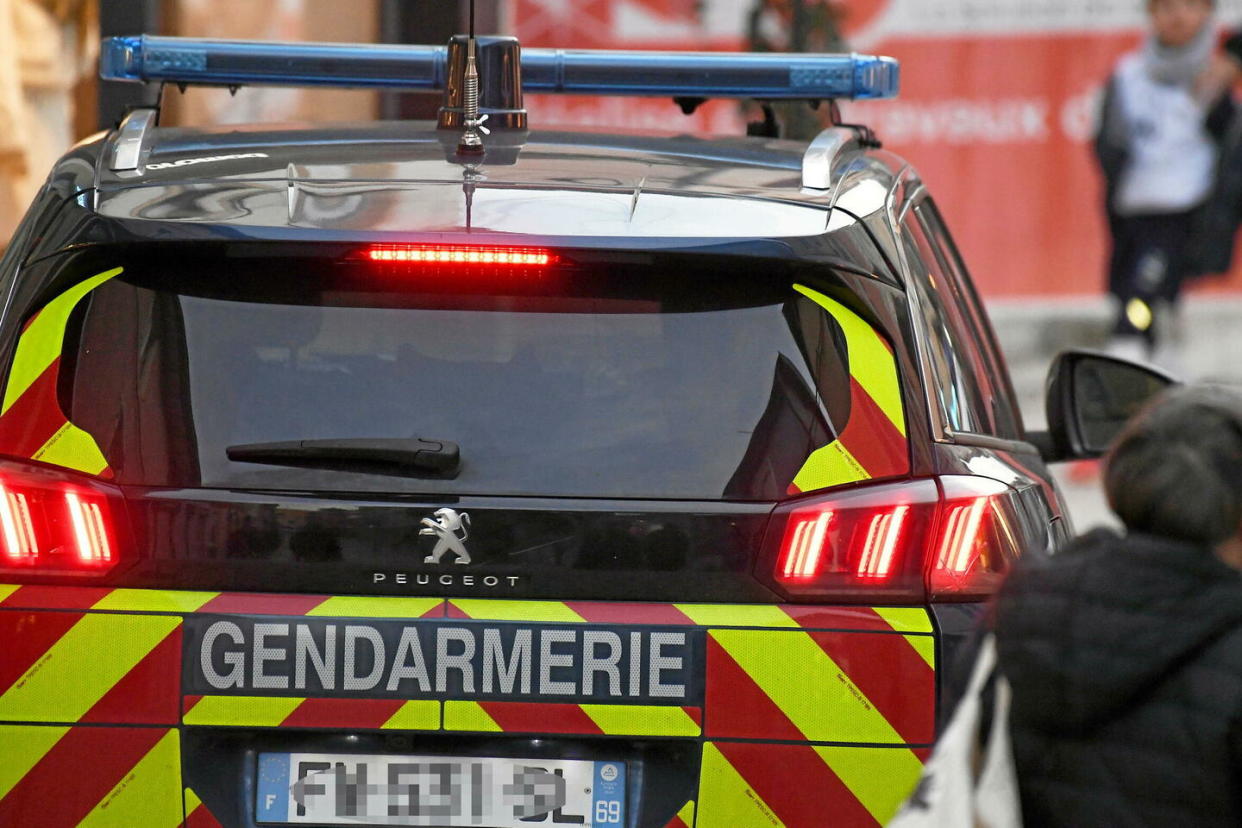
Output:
x=1090 y=397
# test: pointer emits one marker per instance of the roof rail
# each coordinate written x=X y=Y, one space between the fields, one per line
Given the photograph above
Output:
x=132 y=138
x=822 y=153
x=768 y=76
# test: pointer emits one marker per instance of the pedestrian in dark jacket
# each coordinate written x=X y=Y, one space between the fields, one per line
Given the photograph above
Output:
x=1164 y=115
x=1211 y=247
x=1125 y=651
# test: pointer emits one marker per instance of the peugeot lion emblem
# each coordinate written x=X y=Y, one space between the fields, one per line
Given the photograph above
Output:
x=450 y=530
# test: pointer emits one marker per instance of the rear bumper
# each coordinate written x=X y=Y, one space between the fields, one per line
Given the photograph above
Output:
x=799 y=711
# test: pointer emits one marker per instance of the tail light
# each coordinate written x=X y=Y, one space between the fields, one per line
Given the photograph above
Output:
x=57 y=523
x=945 y=539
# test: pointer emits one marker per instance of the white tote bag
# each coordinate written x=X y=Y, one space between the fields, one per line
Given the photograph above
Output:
x=961 y=788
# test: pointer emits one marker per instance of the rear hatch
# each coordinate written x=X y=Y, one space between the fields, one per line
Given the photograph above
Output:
x=621 y=430
x=387 y=509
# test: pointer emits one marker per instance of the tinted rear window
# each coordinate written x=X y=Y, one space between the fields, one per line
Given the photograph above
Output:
x=630 y=382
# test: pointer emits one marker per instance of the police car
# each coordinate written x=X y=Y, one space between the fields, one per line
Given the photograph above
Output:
x=473 y=475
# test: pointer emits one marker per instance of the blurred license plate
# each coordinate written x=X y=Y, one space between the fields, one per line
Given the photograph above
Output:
x=367 y=789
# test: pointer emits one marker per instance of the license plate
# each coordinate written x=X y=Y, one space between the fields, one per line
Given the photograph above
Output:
x=447 y=792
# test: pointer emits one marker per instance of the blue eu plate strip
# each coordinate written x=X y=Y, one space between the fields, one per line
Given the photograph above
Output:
x=273 y=804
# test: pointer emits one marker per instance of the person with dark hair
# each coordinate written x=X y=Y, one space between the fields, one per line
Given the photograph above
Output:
x=1165 y=112
x=1124 y=651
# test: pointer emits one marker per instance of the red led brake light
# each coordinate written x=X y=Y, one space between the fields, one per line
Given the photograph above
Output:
x=20 y=544
x=89 y=530
x=800 y=558
x=460 y=255
x=977 y=539
x=56 y=523
x=855 y=545
x=945 y=539
x=879 y=553
x=958 y=535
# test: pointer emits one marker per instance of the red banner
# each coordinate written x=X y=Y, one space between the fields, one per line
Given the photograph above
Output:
x=996 y=108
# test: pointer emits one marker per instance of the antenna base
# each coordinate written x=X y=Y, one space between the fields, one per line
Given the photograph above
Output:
x=499 y=62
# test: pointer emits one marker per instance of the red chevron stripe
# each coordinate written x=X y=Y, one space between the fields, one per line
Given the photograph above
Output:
x=738 y=707
x=349 y=713
x=147 y=694
x=836 y=618
x=200 y=817
x=893 y=677
x=797 y=785
x=27 y=636
x=527 y=717
x=76 y=774
x=34 y=417
x=872 y=438
x=617 y=612
x=54 y=597
x=262 y=603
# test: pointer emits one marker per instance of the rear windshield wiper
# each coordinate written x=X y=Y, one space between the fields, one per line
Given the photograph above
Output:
x=401 y=455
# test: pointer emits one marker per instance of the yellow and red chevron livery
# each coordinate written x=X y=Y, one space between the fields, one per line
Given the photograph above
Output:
x=91 y=677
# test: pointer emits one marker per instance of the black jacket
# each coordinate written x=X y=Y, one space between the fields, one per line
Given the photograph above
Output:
x=1125 y=657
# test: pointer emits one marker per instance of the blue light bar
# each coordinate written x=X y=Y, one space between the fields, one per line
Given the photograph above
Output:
x=180 y=60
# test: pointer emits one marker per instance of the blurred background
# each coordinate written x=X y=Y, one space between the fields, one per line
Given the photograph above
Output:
x=996 y=111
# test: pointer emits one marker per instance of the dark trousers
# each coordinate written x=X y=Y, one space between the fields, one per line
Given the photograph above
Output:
x=1147 y=268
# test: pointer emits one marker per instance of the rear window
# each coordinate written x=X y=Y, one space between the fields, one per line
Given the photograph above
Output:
x=621 y=382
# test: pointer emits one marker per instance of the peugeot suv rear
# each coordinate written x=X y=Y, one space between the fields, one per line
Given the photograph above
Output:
x=345 y=483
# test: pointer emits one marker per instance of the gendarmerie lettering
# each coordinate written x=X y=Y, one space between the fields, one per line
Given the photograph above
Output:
x=439 y=658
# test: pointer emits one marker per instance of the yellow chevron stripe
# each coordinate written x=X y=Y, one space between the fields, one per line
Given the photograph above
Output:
x=248 y=711
x=360 y=606
x=41 y=342
x=871 y=361
x=84 y=664
x=468 y=715
x=906 y=619
x=642 y=720
x=547 y=611
x=808 y=686
x=415 y=715
x=737 y=615
x=727 y=798
x=23 y=747
x=147 y=795
x=72 y=448
x=153 y=600
x=831 y=465
x=8 y=589
x=880 y=778
x=686 y=814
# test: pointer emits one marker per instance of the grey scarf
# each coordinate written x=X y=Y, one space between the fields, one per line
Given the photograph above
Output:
x=1179 y=66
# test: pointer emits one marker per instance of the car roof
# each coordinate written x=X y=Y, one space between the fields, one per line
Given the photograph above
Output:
x=400 y=177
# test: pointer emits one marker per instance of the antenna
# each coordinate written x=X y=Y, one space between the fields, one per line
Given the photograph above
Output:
x=472 y=137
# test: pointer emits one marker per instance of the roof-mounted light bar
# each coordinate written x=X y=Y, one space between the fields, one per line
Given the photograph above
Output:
x=767 y=76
